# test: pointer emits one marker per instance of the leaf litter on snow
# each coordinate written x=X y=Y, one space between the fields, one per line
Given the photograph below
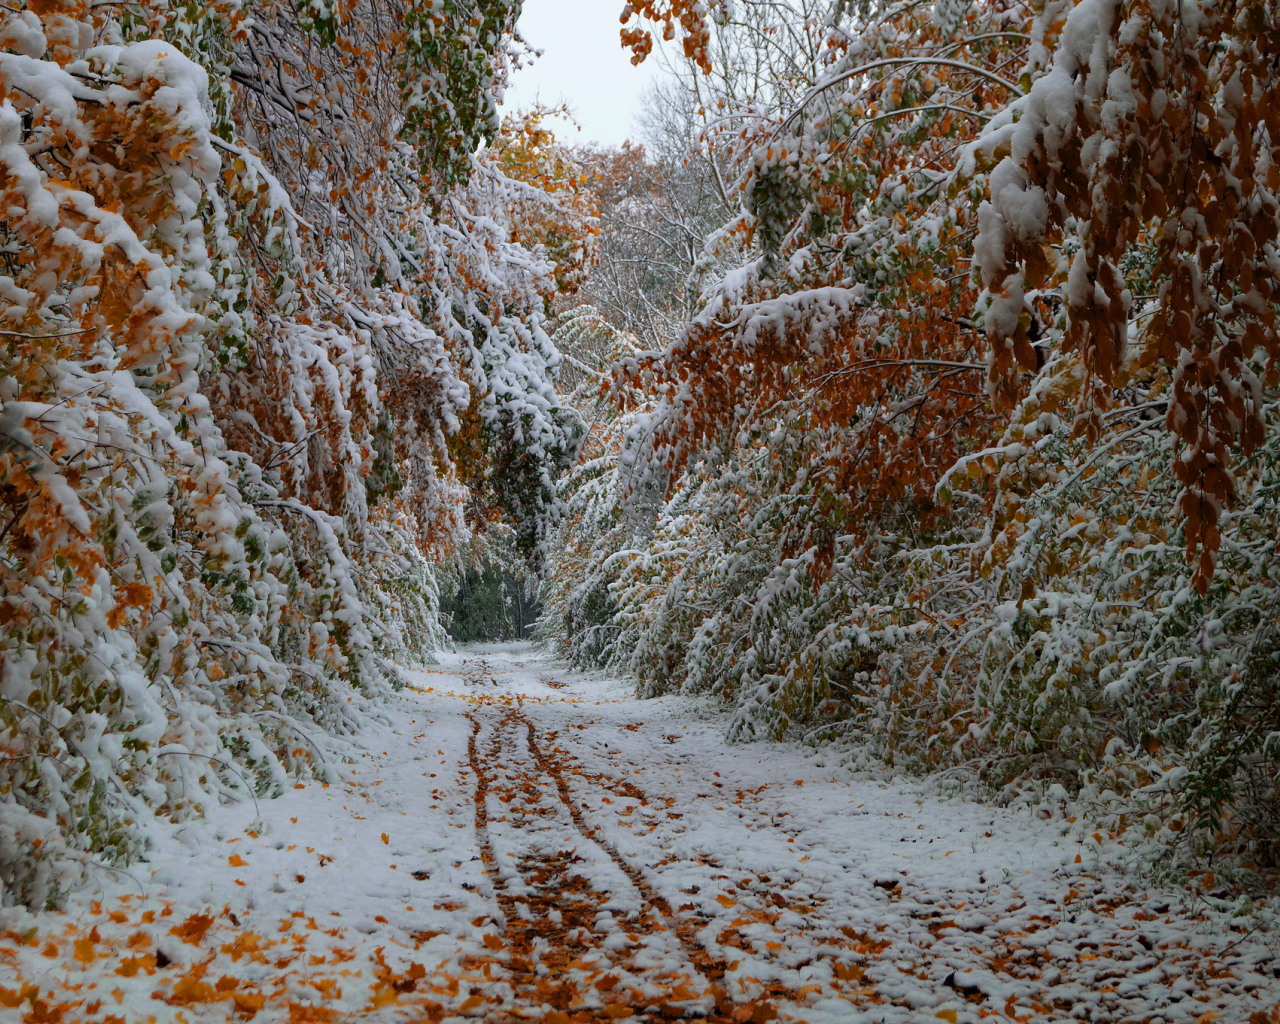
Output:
x=523 y=843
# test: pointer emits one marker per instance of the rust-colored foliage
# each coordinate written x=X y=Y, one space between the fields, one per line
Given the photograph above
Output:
x=852 y=325
x=689 y=17
x=1168 y=154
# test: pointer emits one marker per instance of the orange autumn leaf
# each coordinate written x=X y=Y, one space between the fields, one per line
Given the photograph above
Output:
x=191 y=988
x=136 y=595
x=193 y=929
x=15 y=998
x=130 y=966
x=248 y=1003
x=84 y=952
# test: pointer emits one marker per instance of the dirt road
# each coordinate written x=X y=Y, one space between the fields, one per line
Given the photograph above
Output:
x=519 y=842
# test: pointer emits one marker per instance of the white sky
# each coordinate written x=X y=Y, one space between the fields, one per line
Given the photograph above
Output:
x=584 y=64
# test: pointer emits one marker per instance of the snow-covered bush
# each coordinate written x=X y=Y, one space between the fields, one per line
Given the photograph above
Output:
x=255 y=274
x=970 y=463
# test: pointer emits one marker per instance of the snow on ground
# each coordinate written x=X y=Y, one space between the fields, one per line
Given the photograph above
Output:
x=518 y=842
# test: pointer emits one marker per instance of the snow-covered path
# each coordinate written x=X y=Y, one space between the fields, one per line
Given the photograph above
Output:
x=522 y=843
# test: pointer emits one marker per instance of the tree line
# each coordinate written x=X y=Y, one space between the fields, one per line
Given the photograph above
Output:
x=930 y=366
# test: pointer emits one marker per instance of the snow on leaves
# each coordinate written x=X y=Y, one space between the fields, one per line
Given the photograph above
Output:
x=968 y=457
x=692 y=19
x=1147 y=135
x=254 y=275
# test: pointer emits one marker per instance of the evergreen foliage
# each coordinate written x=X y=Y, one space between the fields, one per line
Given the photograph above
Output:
x=490 y=604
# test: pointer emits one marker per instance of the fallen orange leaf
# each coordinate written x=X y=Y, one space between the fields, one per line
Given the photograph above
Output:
x=13 y=999
x=249 y=1003
x=130 y=966
x=84 y=948
x=193 y=928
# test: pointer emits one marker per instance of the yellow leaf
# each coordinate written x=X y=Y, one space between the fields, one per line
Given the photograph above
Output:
x=947 y=1015
x=249 y=1003
x=385 y=995
x=470 y=1004
x=617 y=1010
x=236 y=861
x=724 y=901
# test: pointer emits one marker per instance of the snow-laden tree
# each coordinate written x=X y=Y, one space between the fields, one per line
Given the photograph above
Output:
x=657 y=203
x=261 y=262
x=970 y=460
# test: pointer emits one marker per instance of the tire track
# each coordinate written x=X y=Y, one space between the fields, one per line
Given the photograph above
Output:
x=552 y=919
x=482 y=809
x=709 y=966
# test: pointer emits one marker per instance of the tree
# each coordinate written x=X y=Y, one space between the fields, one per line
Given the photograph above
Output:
x=926 y=467
x=259 y=263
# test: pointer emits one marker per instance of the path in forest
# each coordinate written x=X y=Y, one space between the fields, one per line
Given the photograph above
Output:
x=518 y=842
